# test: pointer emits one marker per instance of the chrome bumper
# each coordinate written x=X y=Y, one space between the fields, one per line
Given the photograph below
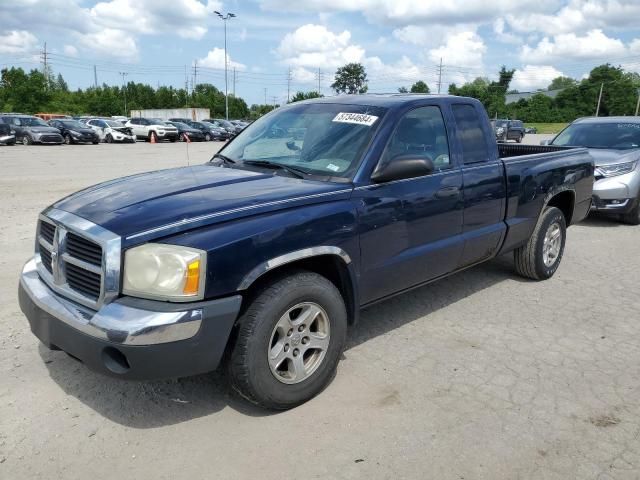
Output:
x=113 y=322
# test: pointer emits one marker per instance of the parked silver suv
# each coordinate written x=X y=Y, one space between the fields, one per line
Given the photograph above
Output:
x=614 y=144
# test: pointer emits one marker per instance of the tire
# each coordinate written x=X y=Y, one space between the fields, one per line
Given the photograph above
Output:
x=26 y=140
x=96 y=142
x=633 y=217
x=531 y=261
x=67 y=139
x=108 y=138
x=519 y=139
x=207 y=137
x=173 y=139
x=261 y=380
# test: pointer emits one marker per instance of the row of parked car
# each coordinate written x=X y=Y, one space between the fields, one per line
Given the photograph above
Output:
x=28 y=129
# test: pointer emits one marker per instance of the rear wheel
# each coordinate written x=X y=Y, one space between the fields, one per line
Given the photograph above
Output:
x=289 y=341
x=540 y=257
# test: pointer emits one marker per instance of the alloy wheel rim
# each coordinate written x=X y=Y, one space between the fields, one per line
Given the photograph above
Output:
x=552 y=244
x=299 y=342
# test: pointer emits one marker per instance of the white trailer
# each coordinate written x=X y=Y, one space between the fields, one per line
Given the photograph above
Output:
x=195 y=114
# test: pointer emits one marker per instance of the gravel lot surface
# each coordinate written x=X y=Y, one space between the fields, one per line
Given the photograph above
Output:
x=481 y=376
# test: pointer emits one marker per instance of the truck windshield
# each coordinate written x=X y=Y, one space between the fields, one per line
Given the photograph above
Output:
x=615 y=135
x=318 y=138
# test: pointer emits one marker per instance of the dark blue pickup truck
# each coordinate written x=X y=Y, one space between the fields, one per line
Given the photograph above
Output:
x=261 y=258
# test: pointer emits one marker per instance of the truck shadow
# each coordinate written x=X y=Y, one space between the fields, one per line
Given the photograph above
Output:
x=153 y=404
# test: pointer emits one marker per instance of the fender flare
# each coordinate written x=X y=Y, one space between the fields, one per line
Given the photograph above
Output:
x=290 y=257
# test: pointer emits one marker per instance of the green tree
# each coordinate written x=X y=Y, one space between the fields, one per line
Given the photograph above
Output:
x=559 y=83
x=351 y=78
x=299 y=96
x=420 y=87
x=403 y=90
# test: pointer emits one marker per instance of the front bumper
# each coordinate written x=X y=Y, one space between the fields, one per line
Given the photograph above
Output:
x=130 y=338
x=617 y=194
x=47 y=138
x=7 y=139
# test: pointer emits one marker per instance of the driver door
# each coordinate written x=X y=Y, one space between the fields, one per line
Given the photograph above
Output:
x=411 y=229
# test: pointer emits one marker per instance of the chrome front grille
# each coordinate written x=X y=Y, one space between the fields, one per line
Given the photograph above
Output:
x=78 y=259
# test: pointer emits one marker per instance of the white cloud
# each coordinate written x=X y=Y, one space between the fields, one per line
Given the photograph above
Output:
x=534 y=77
x=303 y=75
x=407 y=12
x=569 y=46
x=502 y=35
x=112 y=43
x=17 y=42
x=186 y=18
x=215 y=59
x=315 y=46
x=70 y=50
x=460 y=49
x=577 y=16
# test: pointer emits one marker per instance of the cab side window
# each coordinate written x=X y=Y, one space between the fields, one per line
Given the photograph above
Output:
x=420 y=132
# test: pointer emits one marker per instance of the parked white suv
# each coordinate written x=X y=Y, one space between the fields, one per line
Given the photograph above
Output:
x=110 y=130
x=145 y=128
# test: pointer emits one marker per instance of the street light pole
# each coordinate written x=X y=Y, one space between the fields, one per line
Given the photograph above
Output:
x=226 y=80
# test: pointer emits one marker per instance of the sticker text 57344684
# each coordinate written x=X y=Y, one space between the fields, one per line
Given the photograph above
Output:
x=357 y=118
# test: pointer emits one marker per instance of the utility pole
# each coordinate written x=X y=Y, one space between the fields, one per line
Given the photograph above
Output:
x=274 y=100
x=44 y=56
x=265 y=96
x=95 y=77
x=186 y=87
x=638 y=103
x=288 y=84
x=195 y=74
x=124 y=91
x=224 y=18
x=234 y=81
x=599 y=98
x=319 y=75
x=440 y=75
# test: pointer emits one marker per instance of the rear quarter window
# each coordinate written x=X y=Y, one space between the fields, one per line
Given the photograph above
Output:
x=470 y=133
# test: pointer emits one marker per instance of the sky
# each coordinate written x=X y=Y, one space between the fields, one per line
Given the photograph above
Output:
x=276 y=46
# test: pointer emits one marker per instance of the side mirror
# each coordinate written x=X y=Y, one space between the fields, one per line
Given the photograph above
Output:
x=545 y=142
x=403 y=166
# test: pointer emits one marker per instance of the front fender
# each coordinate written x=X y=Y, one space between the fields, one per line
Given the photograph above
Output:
x=239 y=251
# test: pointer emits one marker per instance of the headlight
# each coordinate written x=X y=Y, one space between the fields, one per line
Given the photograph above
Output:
x=165 y=272
x=500 y=130
x=617 y=169
x=12 y=132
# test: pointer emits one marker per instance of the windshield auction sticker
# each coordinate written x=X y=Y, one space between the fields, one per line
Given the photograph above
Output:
x=357 y=118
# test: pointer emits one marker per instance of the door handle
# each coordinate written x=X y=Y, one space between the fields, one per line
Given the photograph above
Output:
x=448 y=192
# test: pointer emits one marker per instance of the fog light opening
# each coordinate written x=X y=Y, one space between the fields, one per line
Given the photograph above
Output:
x=115 y=360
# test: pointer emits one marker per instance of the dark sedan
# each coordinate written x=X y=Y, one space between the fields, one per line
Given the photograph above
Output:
x=194 y=134
x=73 y=131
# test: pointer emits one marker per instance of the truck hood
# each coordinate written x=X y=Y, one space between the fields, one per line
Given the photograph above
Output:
x=155 y=204
x=603 y=156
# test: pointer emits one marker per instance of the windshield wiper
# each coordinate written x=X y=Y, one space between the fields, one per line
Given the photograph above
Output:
x=296 y=172
x=224 y=158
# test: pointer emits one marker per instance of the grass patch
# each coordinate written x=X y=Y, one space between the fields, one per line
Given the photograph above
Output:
x=547 y=127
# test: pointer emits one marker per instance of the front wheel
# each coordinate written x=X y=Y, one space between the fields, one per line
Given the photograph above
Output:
x=26 y=140
x=519 y=139
x=108 y=138
x=289 y=341
x=207 y=137
x=67 y=139
x=540 y=257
